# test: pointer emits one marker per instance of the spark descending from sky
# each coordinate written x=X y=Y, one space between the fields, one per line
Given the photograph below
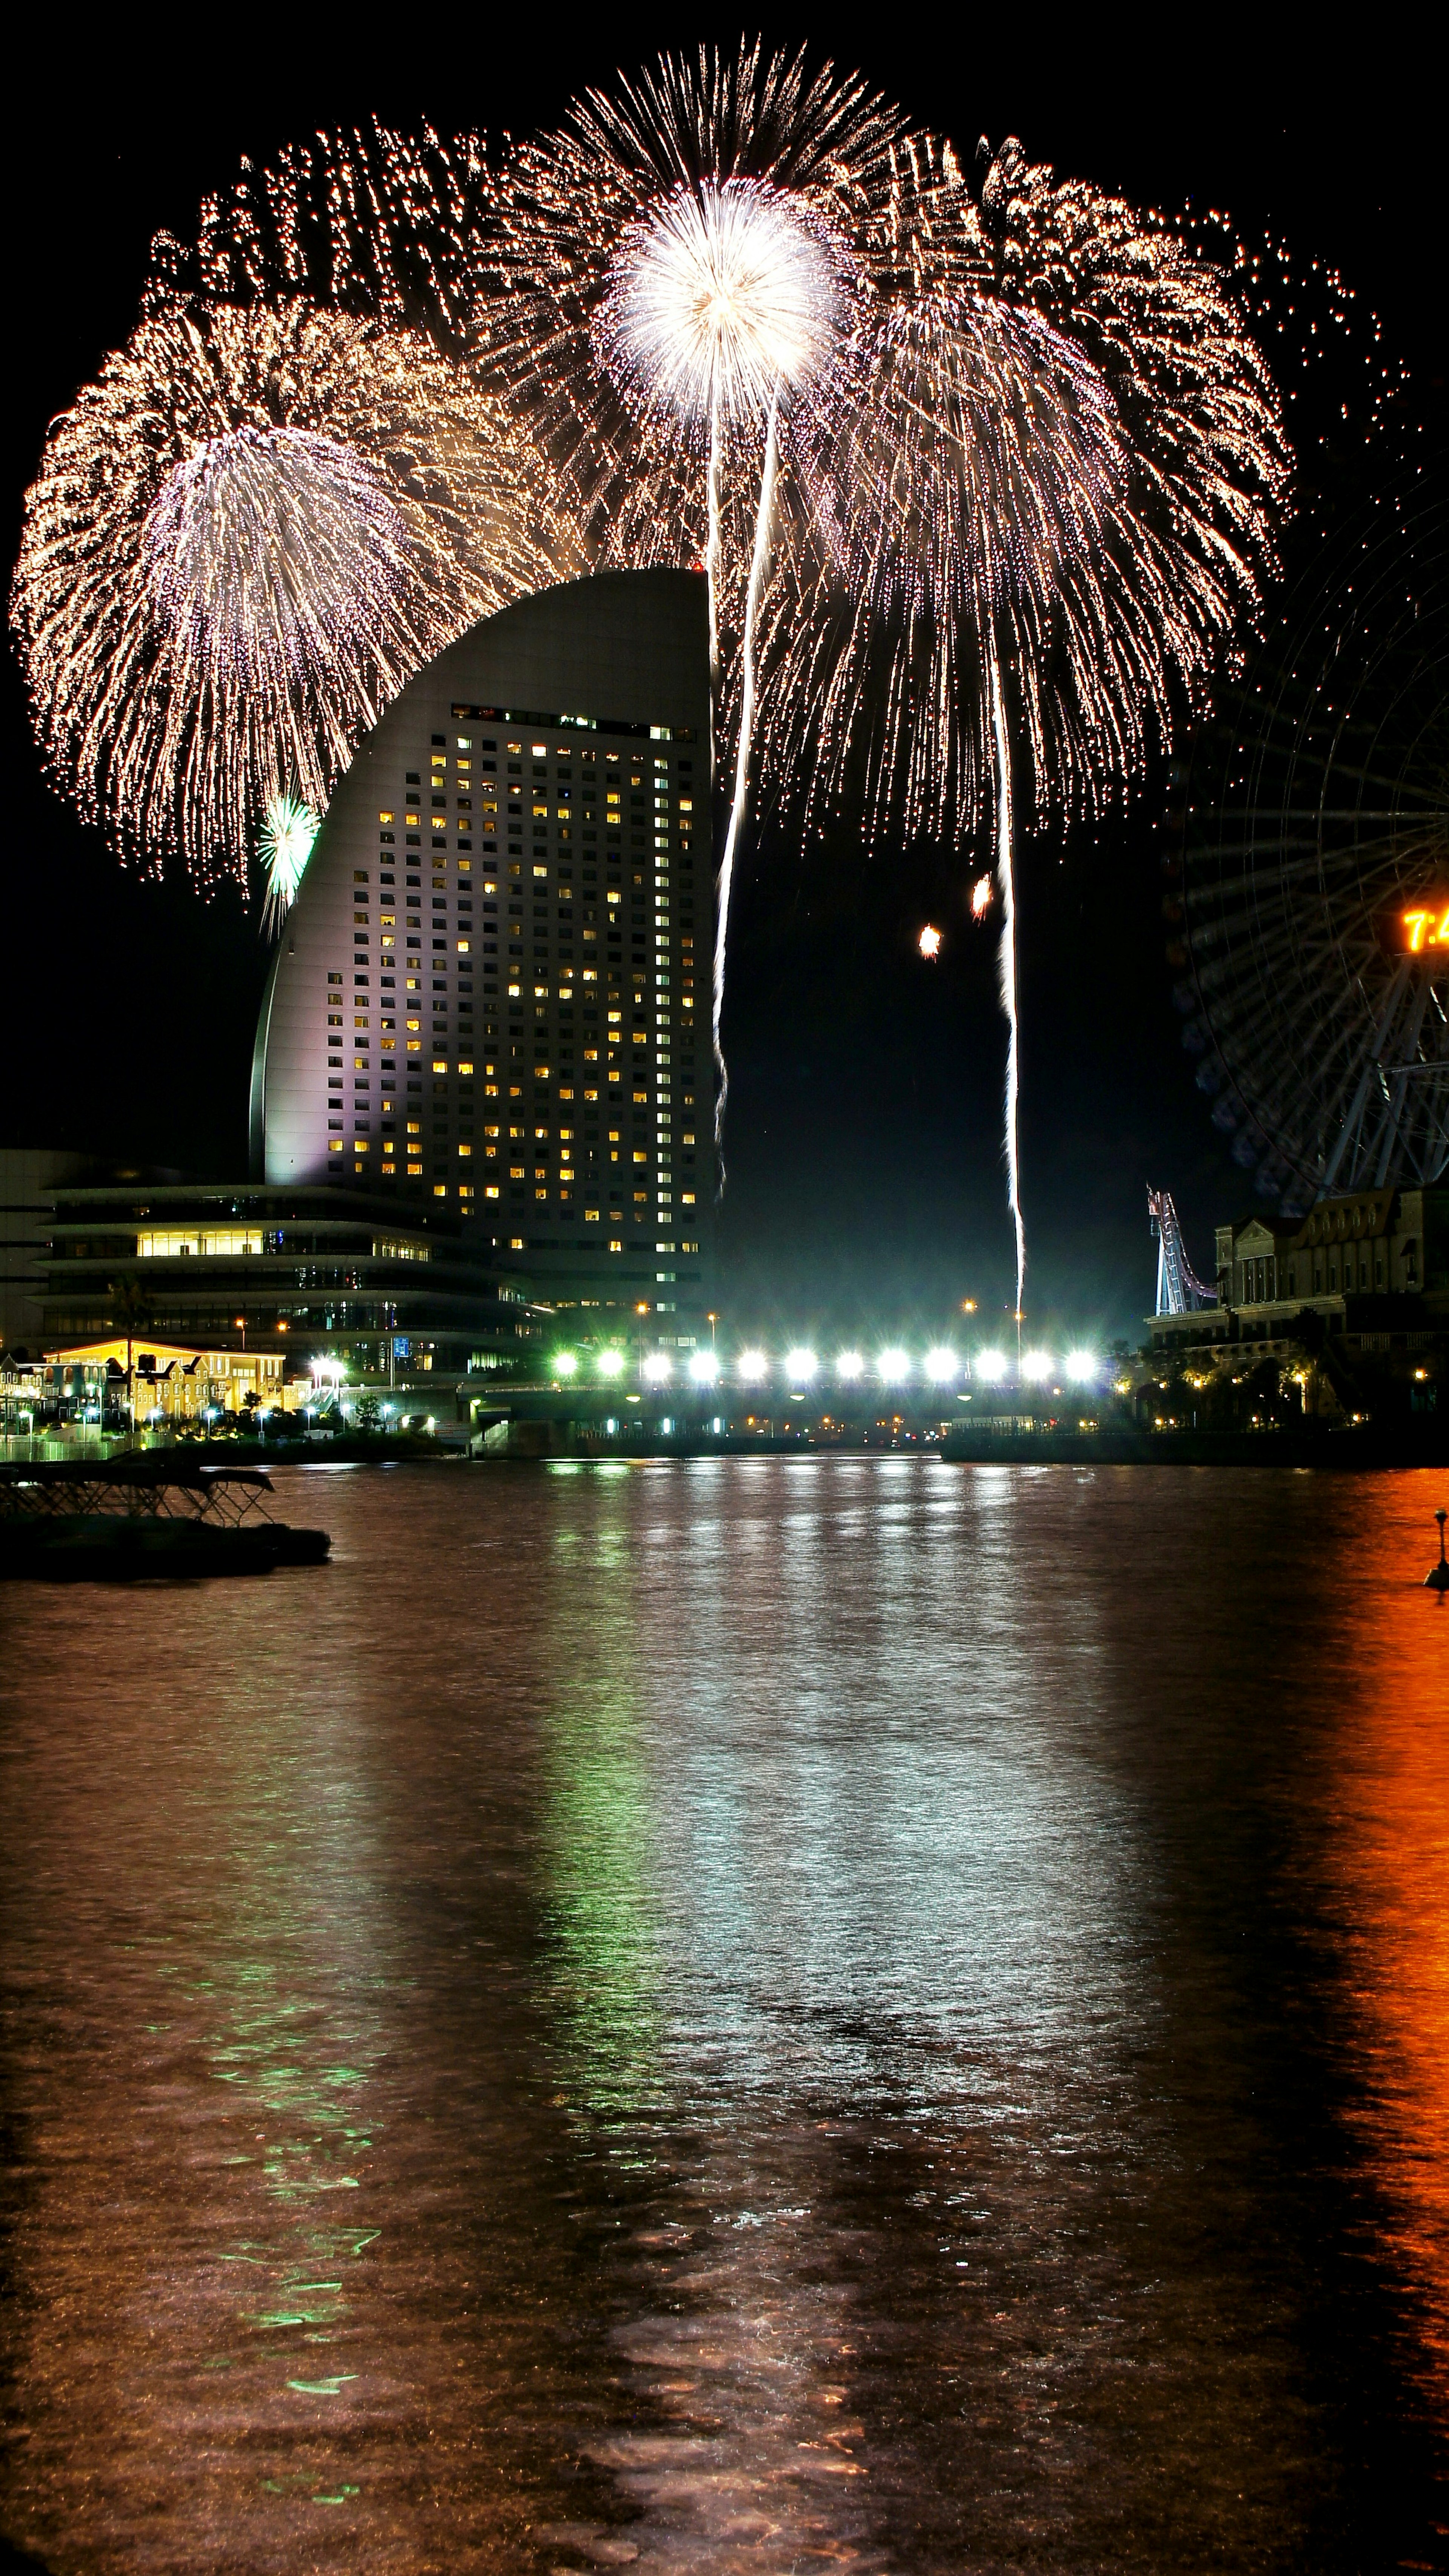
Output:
x=245 y=537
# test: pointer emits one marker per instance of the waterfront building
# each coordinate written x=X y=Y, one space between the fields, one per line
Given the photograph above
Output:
x=165 y=1382
x=29 y=1176
x=1356 y=1294
x=490 y=1000
x=300 y=1273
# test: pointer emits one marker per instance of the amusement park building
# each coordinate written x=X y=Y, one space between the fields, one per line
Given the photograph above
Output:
x=1369 y=1270
x=490 y=999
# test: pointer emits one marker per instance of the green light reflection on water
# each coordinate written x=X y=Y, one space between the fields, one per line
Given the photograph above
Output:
x=596 y=1839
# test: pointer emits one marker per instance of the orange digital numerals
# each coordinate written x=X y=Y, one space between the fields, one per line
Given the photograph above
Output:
x=1425 y=928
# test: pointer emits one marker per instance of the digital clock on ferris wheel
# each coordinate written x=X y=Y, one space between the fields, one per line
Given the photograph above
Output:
x=1418 y=929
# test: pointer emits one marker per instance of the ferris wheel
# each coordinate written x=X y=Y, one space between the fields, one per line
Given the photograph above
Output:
x=1312 y=890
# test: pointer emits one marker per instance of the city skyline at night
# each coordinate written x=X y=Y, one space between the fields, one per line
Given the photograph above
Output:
x=862 y=1085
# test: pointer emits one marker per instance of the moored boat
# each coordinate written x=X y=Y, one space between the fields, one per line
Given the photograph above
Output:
x=147 y=1514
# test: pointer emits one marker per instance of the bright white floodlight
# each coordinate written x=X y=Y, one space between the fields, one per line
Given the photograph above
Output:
x=1082 y=1365
x=940 y=1365
x=991 y=1367
x=657 y=1368
x=751 y=1366
x=610 y=1363
x=565 y=1363
x=800 y=1366
x=895 y=1366
x=1036 y=1365
x=703 y=1368
x=850 y=1364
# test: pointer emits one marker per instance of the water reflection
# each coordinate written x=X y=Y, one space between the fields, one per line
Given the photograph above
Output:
x=1388 y=1674
x=753 y=2014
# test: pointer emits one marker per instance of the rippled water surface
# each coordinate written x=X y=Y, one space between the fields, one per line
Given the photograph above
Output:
x=765 y=2014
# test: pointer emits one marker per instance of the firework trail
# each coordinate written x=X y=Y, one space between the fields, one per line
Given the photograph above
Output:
x=724 y=304
x=245 y=537
x=984 y=473
x=1051 y=503
x=1006 y=970
x=683 y=265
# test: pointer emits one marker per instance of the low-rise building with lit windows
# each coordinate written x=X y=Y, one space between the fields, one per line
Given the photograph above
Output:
x=166 y=1382
x=491 y=998
x=300 y=1274
x=1352 y=1300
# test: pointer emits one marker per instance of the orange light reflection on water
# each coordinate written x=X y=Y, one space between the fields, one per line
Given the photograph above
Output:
x=1390 y=1859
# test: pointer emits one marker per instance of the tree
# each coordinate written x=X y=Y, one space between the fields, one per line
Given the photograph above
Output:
x=131 y=1312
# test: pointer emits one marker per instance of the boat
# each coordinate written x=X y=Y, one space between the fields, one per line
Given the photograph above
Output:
x=148 y=1514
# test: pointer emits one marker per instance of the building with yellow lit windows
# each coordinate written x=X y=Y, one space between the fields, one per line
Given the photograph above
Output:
x=491 y=997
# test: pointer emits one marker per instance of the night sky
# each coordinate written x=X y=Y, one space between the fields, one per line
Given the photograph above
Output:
x=863 y=1149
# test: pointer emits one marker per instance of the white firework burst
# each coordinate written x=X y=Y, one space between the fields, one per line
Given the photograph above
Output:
x=268 y=550
x=723 y=300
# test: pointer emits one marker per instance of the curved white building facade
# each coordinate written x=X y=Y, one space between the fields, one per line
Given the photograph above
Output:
x=492 y=992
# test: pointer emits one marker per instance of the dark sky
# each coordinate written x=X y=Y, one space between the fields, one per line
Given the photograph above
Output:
x=865 y=1177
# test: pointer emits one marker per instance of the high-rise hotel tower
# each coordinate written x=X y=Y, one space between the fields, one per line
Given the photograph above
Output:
x=492 y=994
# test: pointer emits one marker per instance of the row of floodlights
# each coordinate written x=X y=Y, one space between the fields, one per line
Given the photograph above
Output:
x=801 y=1368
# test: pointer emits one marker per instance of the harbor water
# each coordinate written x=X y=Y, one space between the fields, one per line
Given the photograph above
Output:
x=744 y=2013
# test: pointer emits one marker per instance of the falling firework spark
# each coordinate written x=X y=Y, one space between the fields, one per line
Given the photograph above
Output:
x=284 y=849
x=929 y=942
x=981 y=898
x=246 y=536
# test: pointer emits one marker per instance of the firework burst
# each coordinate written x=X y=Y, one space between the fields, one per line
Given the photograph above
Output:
x=1050 y=500
x=246 y=536
x=269 y=552
x=683 y=265
x=284 y=848
x=388 y=227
